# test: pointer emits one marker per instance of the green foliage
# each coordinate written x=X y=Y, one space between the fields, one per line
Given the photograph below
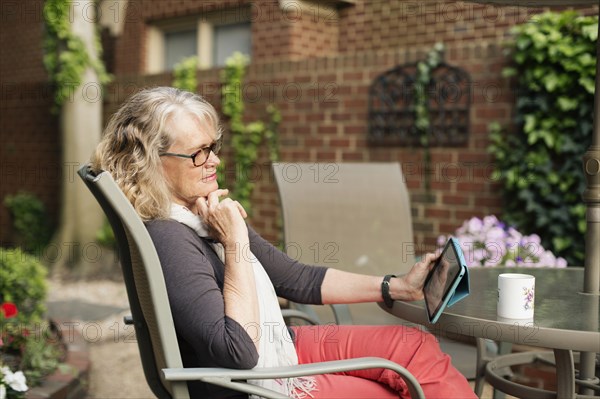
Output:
x=423 y=80
x=29 y=220
x=245 y=138
x=540 y=165
x=270 y=133
x=105 y=236
x=66 y=57
x=26 y=343
x=184 y=74
x=41 y=354
x=22 y=282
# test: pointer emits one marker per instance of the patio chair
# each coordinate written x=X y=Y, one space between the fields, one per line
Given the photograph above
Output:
x=351 y=216
x=153 y=321
x=356 y=217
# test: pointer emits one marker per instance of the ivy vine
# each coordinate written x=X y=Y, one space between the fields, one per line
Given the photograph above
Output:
x=245 y=138
x=184 y=74
x=540 y=164
x=421 y=102
x=66 y=57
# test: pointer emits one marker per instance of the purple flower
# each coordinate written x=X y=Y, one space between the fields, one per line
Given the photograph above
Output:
x=496 y=234
x=475 y=225
x=441 y=240
x=489 y=242
x=531 y=239
x=490 y=220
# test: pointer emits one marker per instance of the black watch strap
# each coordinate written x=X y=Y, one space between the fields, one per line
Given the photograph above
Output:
x=385 y=290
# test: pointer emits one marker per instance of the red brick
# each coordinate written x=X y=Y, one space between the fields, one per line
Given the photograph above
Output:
x=437 y=213
x=455 y=199
x=477 y=188
x=339 y=143
x=327 y=130
x=489 y=201
x=353 y=156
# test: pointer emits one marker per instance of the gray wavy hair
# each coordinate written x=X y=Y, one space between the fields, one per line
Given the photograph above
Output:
x=135 y=136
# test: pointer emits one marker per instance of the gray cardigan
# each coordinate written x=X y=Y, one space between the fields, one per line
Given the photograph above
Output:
x=194 y=277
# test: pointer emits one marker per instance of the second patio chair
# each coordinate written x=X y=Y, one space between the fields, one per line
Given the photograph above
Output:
x=350 y=216
x=356 y=217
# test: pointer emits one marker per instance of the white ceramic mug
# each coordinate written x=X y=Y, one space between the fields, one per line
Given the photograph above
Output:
x=516 y=295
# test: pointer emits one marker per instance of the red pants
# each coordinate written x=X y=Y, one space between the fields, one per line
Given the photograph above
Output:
x=411 y=348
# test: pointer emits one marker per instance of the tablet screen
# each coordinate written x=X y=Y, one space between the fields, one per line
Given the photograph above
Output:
x=440 y=279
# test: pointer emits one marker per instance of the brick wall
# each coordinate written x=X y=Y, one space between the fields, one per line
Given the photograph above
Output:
x=29 y=135
x=324 y=105
x=316 y=65
x=21 y=30
x=314 y=31
x=375 y=25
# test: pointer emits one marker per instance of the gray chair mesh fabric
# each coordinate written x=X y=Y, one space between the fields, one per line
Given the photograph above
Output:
x=351 y=216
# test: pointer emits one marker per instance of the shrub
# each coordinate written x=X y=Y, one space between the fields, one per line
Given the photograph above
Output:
x=27 y=344
x=540 y=164
x=22 y=282
x=29 y=220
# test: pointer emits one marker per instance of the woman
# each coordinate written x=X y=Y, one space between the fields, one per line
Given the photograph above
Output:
x=223 y=279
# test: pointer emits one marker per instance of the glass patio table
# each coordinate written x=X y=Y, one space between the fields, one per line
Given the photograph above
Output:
x=565 y=320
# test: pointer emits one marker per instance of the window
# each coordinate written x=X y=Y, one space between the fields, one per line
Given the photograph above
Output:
x=228 y=39
x=179 y=45
x=212 y=37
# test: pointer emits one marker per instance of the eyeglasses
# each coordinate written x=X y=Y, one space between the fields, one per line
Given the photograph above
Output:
x=200 y=157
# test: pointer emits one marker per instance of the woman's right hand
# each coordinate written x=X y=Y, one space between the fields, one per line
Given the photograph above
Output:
x=225 y=221
x=224 y=218
x=409 y=287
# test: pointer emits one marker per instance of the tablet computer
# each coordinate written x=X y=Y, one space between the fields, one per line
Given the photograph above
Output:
x=447 y=282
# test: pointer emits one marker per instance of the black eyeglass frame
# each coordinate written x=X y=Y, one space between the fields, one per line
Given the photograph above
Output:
x=215 y=147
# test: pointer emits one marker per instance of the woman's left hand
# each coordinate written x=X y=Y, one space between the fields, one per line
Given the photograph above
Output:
x=409 y=287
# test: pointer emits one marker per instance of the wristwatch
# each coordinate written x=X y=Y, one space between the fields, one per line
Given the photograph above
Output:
x=385 y=290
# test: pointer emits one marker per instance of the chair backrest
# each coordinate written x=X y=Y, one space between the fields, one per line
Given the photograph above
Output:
x=350 y=216
x=146 y=290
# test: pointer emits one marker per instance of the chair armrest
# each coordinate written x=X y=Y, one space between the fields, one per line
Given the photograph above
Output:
x=298 y=314
x=224 y=376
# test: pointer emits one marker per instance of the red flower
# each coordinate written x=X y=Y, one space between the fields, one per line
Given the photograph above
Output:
x=9 y=309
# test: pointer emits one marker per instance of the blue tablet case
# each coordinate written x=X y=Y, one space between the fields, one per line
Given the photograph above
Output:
x=464 y=286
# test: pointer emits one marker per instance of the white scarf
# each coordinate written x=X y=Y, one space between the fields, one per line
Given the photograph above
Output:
x=276 y=348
